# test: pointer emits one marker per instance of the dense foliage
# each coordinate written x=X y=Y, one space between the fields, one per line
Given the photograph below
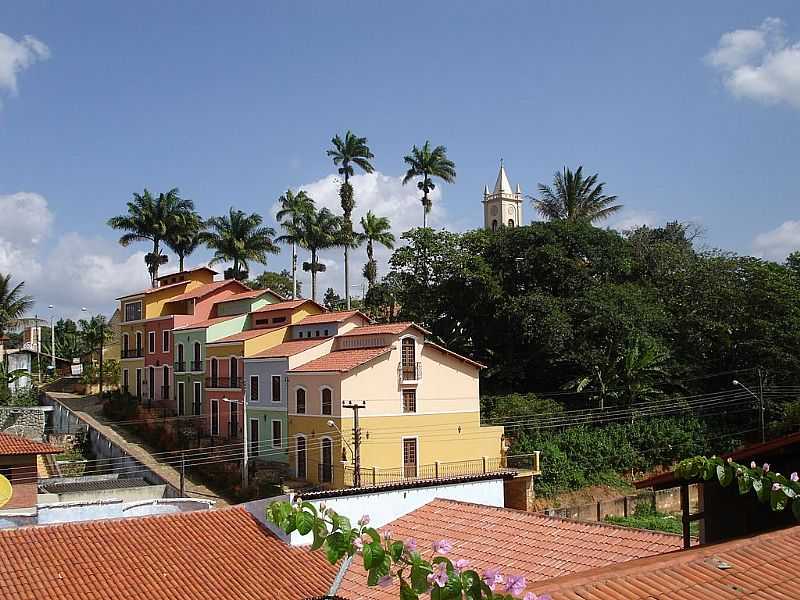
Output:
x=645 y=516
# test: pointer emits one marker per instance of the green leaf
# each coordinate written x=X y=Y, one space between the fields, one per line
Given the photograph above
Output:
x=342 y=522
x=308 y=506
x=304 y=522
x=334 y=547
x=724 y=475
x=376 y=537
x=320 y=533
x=397 y=550
x=745 y=483
x=379 y=570
x=778 y=499
x=419 y=576
x=761 y=488
x=406 y=593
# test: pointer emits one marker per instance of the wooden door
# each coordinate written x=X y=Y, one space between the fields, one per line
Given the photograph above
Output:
x=410 y=457
x=215 y=417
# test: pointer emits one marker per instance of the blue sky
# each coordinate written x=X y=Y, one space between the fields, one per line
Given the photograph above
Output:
x=235 y=102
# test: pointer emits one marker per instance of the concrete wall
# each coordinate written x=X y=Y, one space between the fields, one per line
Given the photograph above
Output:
x=666 y=501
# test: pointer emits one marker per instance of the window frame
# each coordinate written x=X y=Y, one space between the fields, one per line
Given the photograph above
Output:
x=280 y=388
x=297 y=391
x=257 y=396
x=165 y=340
x=272 y=433
x=151 y=342
x=322 y=390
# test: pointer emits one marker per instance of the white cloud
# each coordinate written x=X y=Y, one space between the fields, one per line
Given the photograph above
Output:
x=76 y=271
x=16 y=56
x=759 y=64
x=778 y=243
x=631 y=219
x=384 y=195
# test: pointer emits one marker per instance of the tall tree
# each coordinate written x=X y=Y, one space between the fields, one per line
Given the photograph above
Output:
x=316 y=231
x=94 y=331
x=293 y=208
x=280 y=283
x=426 y=163
x=574 y=197
x=186 y=235
x=239 y=238
x=375 y=230
x=352 y=150
x=13 y=303
x=150 y=219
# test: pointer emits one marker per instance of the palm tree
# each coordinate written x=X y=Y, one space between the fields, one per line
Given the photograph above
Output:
x=150 y=219
x=376 y=230
x=239 y=238
x=316 y=231
x=13 y=304
x=353 y=150
x=293 y=207
x=94 y=333
x=575 y=198
x=426 y=163
x=186 y=235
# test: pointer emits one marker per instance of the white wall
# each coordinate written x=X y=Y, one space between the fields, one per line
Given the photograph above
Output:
x=385 y=506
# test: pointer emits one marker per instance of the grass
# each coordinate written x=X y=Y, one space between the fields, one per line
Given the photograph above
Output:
x=646 y=517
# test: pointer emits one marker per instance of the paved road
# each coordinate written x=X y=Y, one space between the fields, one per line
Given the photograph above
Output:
x=88 y=408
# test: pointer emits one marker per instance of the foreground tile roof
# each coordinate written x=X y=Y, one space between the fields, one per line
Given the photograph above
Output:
x=536 y=546
x=342 y=361
x=290 y=348
x=764 y=566
x=14 y=445
x=203 y=555
x=332 y=317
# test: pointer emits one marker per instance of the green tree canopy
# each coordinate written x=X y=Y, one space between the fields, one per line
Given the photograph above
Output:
x=240 y=239
x=574 y=197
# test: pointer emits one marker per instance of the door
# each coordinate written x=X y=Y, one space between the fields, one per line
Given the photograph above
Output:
x=254 y=443
x=125 y=382
x=139 y=384
x=151 y=386
x=165 y=383
x=197 y=399
x=326 y=471
x=301 y=458
x=410 y=457
x=214 y=372
x=234 y=372
x=215 y=417
x=181 y=399
x=408 y=358
x=234 y=420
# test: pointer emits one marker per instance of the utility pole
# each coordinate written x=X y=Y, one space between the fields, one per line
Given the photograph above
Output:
x=52 y=342
x=246 y=457
x=38 y=331
x=183 y=475
x=761 y=403
x=356 y=440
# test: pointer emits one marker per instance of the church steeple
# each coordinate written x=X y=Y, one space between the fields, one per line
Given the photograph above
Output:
x=502 y=207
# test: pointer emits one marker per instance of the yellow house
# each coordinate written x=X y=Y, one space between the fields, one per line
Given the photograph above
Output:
x=419 y=415
x=137 y=308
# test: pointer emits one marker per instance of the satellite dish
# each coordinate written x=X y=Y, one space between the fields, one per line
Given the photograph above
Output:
x=5 y=491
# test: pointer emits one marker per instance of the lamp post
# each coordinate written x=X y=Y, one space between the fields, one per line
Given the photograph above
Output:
x=759 y=398
x=332 y=423
x=52 y=341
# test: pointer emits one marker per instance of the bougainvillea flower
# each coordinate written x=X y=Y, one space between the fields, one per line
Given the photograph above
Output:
x=439 y=575
x=411 y=545
x=794 y=476
x=491 y=577
x=515 y=585
x=364 y=521
x=461 y=564
x=442 y=546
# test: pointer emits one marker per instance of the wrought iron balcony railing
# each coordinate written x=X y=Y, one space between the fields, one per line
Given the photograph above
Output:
x=132 y=353
x=409 y=373
x=226 y=383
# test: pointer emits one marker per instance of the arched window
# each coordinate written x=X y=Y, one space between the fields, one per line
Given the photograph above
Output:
x=300 y=400
x=494 y=225
x=196 y=366
x=511 y=222
x=214 y=372
x=301 y=457
x=327 y=401
x=234 y=372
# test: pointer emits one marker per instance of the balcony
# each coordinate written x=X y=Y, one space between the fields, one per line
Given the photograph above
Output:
x=196 y=366
x=180 y=367
x=165 y=392
x=132 y=353
x=524 y=464
x=224 y=383
x=409 y=373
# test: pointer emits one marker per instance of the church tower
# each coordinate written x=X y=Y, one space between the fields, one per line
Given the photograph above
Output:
x=502 y=207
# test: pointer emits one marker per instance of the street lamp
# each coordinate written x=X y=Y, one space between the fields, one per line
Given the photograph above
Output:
x=52 y=341
x=332 y=423
x=759 y=398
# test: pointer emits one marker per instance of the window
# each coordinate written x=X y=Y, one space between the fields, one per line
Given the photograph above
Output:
x=181 y=398
x=299 y=334
x=316 y=333
x=262 y=321
x=301 y=457
x=196 y=366
x=511 y=222
x=197 y=399
x=125 y=380
x=139 y=343
x=233 y=372
x=409 y=401
x=133 y=311
x=276 y=388
x=327 y=401
x=494 y=225
x=254 y=388
x=214 y=372
x=277 y=434
x=165 y=341
x=151 y=341
x=179 y=364
x=300 y=398
x=165 y=382
x=326 y=333
x=233 y=420
x=126 y=344
x=279 y=320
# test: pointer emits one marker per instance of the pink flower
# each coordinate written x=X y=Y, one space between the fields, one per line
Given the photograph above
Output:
x=364 y=521
x=359 y=544
x=752 y=464
x=532 y=596
x=491 y=577
x=794 y=477
x=776 y=486
x=461 y=564
x=385 y=581
x=515 y=585
x=411 y=545
x=766 y=467
x=442 y=547
x=439 y=575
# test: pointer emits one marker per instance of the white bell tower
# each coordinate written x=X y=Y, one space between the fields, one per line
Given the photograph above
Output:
x=502 y=207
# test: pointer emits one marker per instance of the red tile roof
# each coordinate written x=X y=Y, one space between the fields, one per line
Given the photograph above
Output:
x=203 y=555
x=342 y=361
x=248 y=334
x=250 y=294
x=206 y=289
x=290 y=348
x=11 y=445
x=383 y=328
x=210 y=270
x=153 y=290
x=474 y=363
x=206 y=322
x=536 y=546
x=287 y=305
x=764 y=566
x=332 y=317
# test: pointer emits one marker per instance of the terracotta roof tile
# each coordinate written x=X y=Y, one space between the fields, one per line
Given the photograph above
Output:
x=764 y=566
x=206 y=289
x=248 y=295
x=206 y=322
x=536 y=546
x=290 y=348
x=15 y=445
x=247 y=335
x=332 y=317
x=203 y=555
x=382 y=328
x=288 y=305
x=342 y=360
